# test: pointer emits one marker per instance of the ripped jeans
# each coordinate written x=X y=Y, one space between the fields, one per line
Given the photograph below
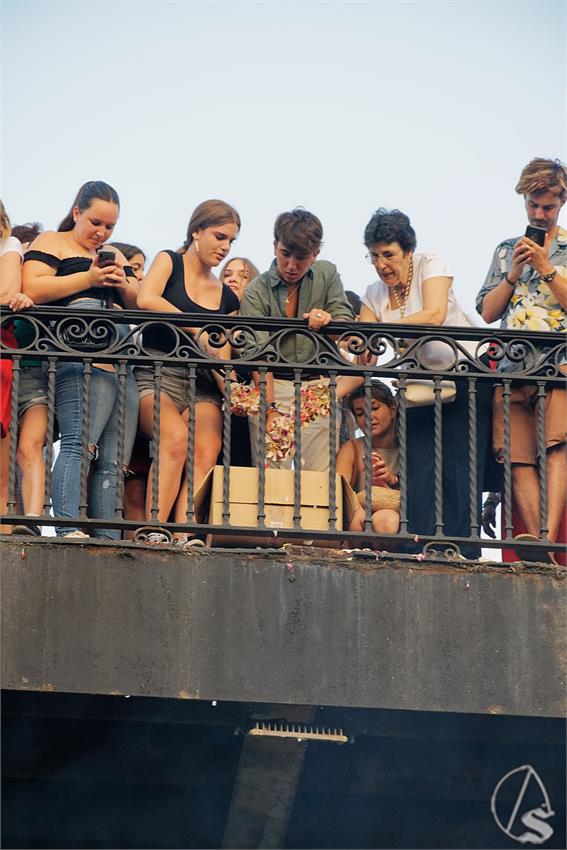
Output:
x=102 y=442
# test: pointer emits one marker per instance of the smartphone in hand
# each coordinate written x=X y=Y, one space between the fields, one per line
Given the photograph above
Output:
x=106 y=258
x=536 y=234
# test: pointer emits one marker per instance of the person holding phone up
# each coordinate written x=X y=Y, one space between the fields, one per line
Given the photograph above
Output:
x=526 y=288
x=71 y=268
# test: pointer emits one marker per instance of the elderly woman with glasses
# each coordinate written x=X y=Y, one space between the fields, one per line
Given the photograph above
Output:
x=415 y=288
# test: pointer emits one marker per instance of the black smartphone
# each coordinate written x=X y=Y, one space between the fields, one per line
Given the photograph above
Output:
x=536 y=234
x=106 y=258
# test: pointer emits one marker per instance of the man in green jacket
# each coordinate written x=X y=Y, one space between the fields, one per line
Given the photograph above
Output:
x=297 y=285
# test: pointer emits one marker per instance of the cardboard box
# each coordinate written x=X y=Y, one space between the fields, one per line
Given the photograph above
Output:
x=243 y=504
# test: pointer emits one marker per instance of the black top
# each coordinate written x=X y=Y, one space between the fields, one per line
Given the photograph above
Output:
x=72 y=265
x=161 y=337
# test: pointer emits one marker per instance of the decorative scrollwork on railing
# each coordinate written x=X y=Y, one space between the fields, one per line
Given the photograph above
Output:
x=388 y=349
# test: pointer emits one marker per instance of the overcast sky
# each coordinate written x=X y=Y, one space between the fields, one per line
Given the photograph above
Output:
x=432 y=107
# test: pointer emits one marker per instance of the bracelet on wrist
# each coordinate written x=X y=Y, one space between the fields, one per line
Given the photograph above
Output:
x=508 y=281
x=547 y=278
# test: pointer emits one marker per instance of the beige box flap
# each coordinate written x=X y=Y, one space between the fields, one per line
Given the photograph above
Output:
x=279 y=486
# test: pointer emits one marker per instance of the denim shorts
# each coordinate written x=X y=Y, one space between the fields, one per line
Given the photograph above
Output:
x=32 y=388
x=174 y=383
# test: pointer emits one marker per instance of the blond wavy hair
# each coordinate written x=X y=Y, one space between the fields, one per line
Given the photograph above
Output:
x=5 y=226
x=543 y=175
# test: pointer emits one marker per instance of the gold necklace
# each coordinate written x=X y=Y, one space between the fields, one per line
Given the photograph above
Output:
x=401 y=302
x=292 y=293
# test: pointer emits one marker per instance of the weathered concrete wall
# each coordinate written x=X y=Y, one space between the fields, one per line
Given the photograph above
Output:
x=300 y=626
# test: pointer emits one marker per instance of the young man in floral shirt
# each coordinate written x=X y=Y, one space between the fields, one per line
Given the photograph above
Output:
x=526 y=288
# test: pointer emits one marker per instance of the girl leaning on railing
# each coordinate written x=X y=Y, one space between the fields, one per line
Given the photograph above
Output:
x=183 y=282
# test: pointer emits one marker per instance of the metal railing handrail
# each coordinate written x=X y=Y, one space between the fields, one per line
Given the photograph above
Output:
x=94 y=336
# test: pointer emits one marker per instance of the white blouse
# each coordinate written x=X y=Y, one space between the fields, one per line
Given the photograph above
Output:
x=434 y=355
x=11 y=245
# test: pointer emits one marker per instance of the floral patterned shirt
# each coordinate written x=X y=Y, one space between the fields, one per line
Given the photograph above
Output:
x=532 y=307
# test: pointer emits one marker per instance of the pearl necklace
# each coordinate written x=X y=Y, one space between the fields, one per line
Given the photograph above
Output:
x=401 y=302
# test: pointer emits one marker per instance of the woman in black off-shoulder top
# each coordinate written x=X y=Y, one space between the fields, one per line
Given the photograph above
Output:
x=62 y=269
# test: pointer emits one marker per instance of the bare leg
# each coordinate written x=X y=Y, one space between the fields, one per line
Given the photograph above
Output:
x=357 y=521
x=33 y=431
x=385 y=522
x=172 y=452
x=556 y=489
x=208 y=423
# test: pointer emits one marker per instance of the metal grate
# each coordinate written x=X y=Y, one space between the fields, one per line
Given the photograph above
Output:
x=299 y=732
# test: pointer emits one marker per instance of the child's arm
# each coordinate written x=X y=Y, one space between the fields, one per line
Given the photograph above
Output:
x=382 y=476
x=345 y=462
x=347 y=384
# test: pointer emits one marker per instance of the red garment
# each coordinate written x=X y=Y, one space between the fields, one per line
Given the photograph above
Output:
x=518 y=527
x=140 y=461
x=9 y=339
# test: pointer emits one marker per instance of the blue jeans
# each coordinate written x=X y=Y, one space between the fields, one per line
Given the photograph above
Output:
x=103 y=429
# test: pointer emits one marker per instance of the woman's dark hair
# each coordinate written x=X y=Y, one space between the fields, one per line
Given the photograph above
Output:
x=390 y=226
x=299 y=231
x=128 y=250
x=379 y=391
x=94 y=190
x=210 y=213
x=354 y=300
x=27 y=232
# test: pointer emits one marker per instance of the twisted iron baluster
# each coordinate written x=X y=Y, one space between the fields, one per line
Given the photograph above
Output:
x=506 y=395
x=13 y=431
x=226 y=432
x=473 y=468
x=120 y=470
x=262 y=449
x=155 y=439
x=297 y=456
x=190 y=461
x=333 y=451
x=368 y=451
x=51 y=374
x=438 y=457
x=83 y=498
x=403 y=454
x=542 y=460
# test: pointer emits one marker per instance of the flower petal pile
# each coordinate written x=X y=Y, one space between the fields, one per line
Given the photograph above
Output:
x=280 y=440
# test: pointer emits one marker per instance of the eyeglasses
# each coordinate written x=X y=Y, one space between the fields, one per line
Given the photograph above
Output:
x=387 y=255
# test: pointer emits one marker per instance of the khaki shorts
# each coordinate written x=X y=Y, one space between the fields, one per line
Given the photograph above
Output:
x=523 y=422
x=174 y=383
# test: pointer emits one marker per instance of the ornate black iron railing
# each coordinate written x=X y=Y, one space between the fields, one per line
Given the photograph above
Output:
x=470 y=358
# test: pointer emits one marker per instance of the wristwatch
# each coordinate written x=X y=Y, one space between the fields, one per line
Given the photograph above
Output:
x=547 y=278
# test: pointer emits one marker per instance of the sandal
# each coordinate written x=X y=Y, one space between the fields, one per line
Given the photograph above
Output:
x=156 y=538
x=190 y=543
x=529 y=553
x=31 y=529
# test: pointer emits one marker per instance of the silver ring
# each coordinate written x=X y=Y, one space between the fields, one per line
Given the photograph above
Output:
x=319 y=315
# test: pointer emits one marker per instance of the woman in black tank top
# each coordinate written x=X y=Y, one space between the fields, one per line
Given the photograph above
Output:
x=183 y=282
